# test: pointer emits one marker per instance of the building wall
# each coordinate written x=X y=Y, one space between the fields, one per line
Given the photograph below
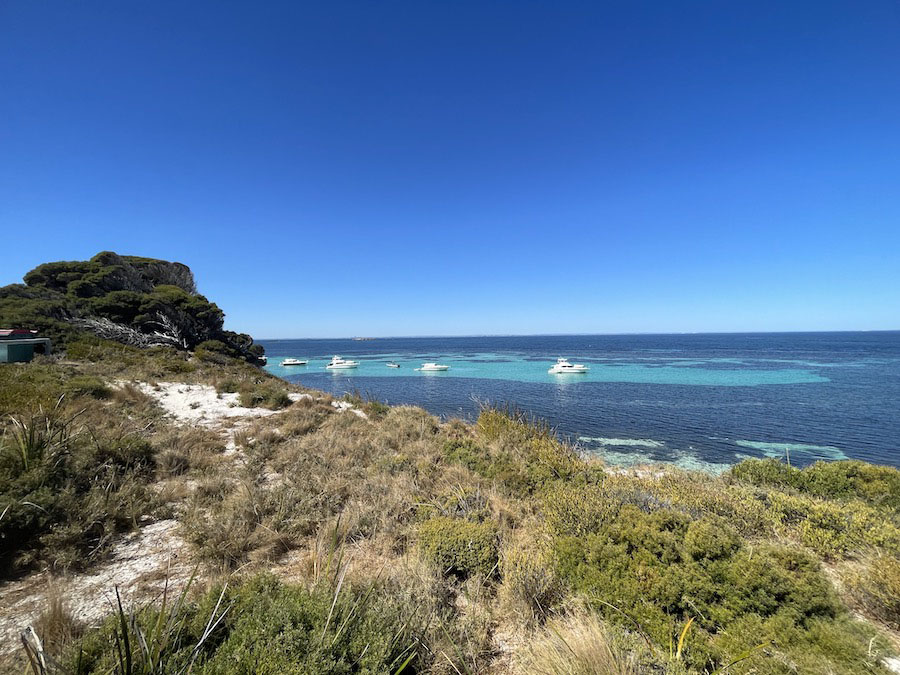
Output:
x=13 y=353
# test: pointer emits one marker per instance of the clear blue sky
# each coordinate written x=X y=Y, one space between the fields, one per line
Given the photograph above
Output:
x=408 y=168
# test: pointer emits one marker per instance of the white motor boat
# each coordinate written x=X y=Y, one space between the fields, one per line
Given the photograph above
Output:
x=563 y=367
x=433 y=367
x=337 y=363
x=391 y=364
x=294 y=362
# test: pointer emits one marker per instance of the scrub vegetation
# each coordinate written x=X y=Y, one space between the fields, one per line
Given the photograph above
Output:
x=353 y=537
x=138 y=301
x=395 y=542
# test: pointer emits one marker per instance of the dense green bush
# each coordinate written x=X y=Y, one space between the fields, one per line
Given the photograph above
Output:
x=29 y=386
x=228 y=386
x=266 y=395
x=460 y=547
x=137 y=301
x=266 y=628
x=215 y=351
x=661 y=568
x=519 y=456
x=878 y=485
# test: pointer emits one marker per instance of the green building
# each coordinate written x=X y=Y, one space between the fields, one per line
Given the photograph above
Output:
x=18 y=345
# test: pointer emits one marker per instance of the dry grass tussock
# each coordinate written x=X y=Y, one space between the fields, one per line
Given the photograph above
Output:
x=576 y=644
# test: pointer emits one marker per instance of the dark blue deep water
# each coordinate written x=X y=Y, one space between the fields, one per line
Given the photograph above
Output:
x=700 y=401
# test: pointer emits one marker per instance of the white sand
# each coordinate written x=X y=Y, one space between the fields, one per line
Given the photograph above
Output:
x=202 y=404
x=139 y=565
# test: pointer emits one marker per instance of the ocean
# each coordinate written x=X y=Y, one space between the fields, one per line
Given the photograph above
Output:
x=700 y=401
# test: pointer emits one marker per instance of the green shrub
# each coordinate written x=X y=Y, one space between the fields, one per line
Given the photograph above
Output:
x=710 y=540
x=878 y=485
x=65 y=492
x=265 y=396
x=261 y=626
x=658 y=569
x=530 y=584
x=460 y=547
x=832 y=528
x=376 y=409
x=456 y=502
x=29 y=386
x=520 y=454
x=85 y=385
x=228 y=386
x=215 y=351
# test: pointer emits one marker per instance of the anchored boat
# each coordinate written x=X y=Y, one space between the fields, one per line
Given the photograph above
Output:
x=563 y=367
x=337 y=363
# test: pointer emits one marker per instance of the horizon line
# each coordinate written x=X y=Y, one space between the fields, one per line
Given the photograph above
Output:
x=361 y=338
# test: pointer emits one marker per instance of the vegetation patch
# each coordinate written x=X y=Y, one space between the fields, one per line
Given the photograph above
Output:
x=65 y=492
x=845 y=479
x=877 y=588
x=266 y=395
x=460 y=547
x=659 y=571
x=259 y=626
x=136 y=301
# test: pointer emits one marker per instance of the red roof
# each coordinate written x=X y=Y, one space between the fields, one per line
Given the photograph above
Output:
x=7 y=332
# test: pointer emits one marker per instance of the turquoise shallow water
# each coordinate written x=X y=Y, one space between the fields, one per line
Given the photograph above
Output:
x=518 y=368
x=698 y=401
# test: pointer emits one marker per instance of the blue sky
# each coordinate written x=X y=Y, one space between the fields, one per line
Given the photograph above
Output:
x=410 y=168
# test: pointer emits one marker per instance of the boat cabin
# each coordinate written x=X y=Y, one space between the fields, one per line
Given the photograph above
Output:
x=19 y=345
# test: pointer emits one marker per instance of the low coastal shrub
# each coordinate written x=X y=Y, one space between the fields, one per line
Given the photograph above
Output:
x=831 y=528
x=519 y=456
x=877 y=485
x=877 y=588
x=457 y=502
x=655 y=571
x=228 y=386
x=260 y=626
x=369 y=405
x=26 y=387
x=531 y=587
x=265 y=395
x=86 y=385
x=215 y=351
x=460 y=547
x=64 y=491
